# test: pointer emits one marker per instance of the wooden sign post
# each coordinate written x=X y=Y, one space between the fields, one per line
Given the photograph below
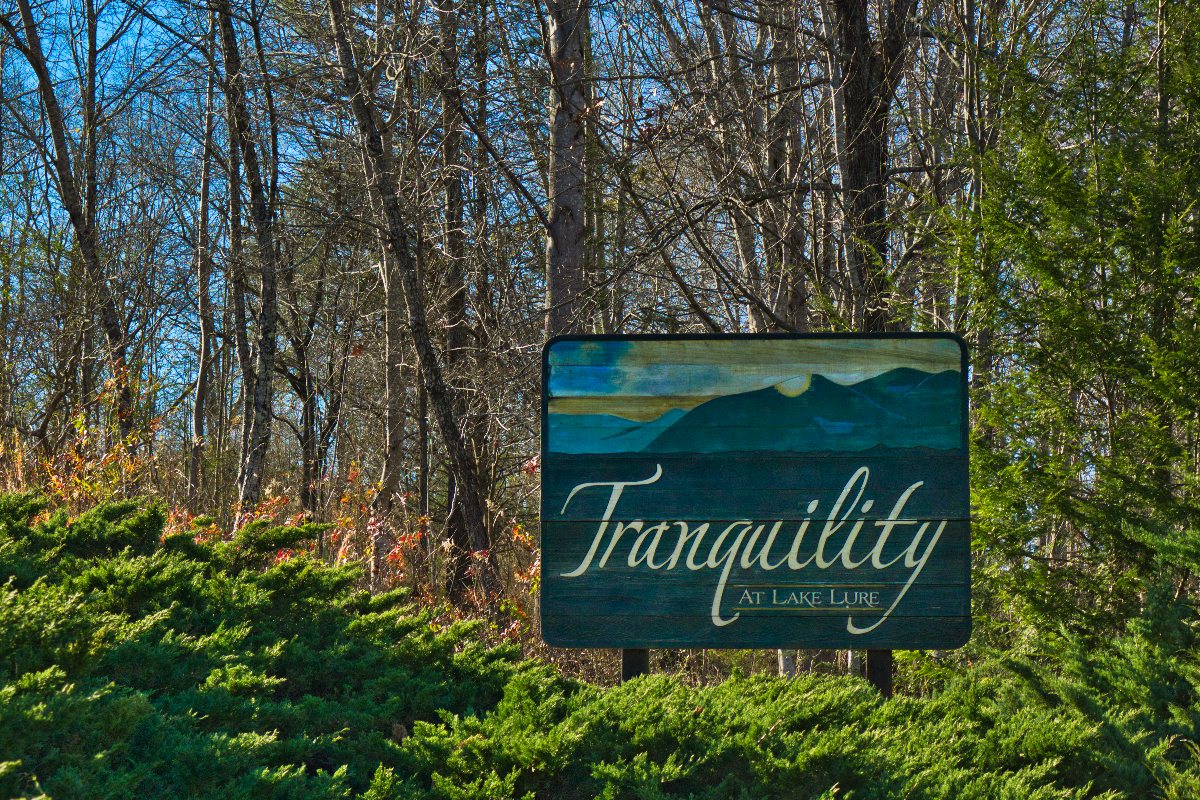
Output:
x=756 y=491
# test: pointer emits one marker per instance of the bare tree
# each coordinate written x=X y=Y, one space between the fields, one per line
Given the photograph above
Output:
x=267 y=252
x=77 y=182
x=381 y=173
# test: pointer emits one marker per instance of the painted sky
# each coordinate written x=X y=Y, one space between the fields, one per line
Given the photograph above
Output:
x=641 y=380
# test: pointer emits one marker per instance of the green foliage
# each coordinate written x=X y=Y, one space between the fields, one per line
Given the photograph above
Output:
x=1082 y=273
x=135 y=666
x=987 y=735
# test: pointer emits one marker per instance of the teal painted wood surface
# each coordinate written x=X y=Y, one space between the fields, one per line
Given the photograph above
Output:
x=755 y=491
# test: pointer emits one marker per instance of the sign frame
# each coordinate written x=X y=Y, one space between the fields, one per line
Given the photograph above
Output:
x=610 y=632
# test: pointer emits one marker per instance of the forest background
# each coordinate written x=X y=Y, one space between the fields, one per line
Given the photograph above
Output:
x=296 y=261
x=274 y=281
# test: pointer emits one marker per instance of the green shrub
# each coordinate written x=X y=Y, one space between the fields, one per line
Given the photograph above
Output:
x=133 y=665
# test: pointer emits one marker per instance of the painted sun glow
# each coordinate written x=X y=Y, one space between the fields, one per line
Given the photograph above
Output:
x=794 y=387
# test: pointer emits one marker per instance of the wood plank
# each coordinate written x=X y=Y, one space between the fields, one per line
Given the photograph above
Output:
x=818 y=350
x=696 y=379
x=604 y=630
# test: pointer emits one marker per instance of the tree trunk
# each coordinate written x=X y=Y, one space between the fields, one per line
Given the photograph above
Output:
x=264 y=229
x=393 y=322
x=566 y=231
x=456 y=283
x=305 y=387
x=204 y=269
x=236 y=269
x=869 y=72
x=393 y=377
x=423 y=455
x=784 y=234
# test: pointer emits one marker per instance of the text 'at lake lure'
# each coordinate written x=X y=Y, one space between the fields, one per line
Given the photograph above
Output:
x=755 y=491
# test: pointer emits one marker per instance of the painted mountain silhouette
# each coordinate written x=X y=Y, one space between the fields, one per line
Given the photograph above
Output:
x=605 y=433
x=898 y=409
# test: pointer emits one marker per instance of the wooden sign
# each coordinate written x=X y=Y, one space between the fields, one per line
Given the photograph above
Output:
x=755 y=491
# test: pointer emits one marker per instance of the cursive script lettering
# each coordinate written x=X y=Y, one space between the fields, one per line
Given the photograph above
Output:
x=845 y=540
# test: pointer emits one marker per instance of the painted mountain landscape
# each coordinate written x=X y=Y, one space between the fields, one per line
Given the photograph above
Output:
x=602 y=399
x=899 y=408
